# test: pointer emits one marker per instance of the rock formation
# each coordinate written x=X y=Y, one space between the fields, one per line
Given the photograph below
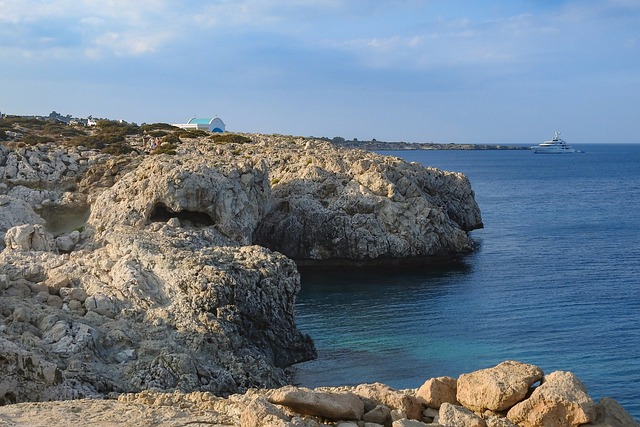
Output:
x=353 y=205
x=159 y=272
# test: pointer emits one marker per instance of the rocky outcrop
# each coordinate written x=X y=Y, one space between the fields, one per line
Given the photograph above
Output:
x=354 y=205
x=140 y=272
x=158 y=310
x=231 y=197
x=364 y=405
x=45 y=166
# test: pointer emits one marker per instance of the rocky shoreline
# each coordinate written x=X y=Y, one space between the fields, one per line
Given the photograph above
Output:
x=130 y=271
x=510 y=394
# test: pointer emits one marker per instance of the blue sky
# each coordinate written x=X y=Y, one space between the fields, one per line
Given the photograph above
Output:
x=507 y=71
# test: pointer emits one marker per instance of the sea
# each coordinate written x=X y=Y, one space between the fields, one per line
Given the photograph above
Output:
x=554 y=282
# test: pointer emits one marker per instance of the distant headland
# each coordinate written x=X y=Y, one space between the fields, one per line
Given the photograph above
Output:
x=375 y=145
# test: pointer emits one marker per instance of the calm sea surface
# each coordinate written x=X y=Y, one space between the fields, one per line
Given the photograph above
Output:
x=555 y=282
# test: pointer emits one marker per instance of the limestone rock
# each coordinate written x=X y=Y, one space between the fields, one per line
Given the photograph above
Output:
x=331 y=203
x=67 y=242
x=191 y=189
x=15 y=212
x=262 y=413
x=437 y=391
x=560 y=401
x=410 y=423
x=162 y=286
x=609 y=413
x=335 y=406
x=166 y=311
x=394 y=399
x=380 y=414
x=496 y=421
x=29 y=237
x=497 y=388
x=55 y=281
x=47 y=165
x=457 y=416
x=25 y=373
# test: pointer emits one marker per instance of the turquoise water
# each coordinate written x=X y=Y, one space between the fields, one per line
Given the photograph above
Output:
x=555 y=282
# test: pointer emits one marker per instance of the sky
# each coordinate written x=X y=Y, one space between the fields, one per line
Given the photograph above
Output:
x=504 y=71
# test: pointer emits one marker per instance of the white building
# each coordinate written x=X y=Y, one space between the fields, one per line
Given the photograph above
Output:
x=214 y=124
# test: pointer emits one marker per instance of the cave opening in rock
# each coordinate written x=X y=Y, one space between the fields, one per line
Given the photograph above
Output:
x=64 y=219
x=161 y=213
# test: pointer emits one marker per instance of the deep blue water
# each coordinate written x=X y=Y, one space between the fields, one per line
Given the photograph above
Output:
x=555 y=282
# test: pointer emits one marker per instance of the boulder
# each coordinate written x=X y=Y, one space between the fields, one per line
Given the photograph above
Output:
x=334 y=406
x=497 y=388
x=56 y=280
x=436 y=391
x=29 y=237
x=560 y=401
x=380 y=414
x=100 y=304
x=391 y=398
x=609 y=413
x=15 y=212
x=67 y=242
x=457 y=416
x=262 y=413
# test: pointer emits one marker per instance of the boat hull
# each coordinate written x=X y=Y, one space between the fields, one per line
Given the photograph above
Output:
x=538 y=150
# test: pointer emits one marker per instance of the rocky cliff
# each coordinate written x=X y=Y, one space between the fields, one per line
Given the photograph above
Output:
x=175 y=271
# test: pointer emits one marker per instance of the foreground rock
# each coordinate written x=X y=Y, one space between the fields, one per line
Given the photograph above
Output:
x=370 y=405
x=561 y=400
x=497 y=388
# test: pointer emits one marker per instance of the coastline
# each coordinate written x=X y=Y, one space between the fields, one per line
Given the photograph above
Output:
x=398 y=146
x=164 y=290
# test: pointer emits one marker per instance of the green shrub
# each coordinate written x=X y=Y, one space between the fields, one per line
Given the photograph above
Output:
x=157 y=133
x=158 y=126
x=86 y=141
x=35 y=139
x=198 y=133
x=60 y=129
x=117 y=148
x=25 y=122
x=116 y=131
x=184 y=133
x=165 y=149
x=230 y=138
x=171 y=138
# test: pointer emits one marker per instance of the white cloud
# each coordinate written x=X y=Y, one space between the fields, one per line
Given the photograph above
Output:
x=108 y=27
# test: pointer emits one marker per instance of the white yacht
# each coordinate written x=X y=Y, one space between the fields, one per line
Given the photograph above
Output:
x=554 y=146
